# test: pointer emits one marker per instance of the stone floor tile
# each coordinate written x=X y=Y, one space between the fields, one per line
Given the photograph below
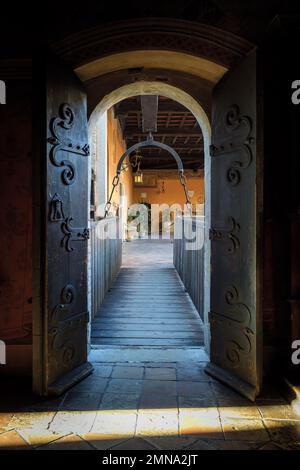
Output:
x=124 y=386
x=37 y=437
x=220 y=444
x=77 y=422
x=251 y=412
x=202 y=445
x=11 y=440
x=150 y=402
x=32 y=420
x=244 y=429
x=227 y=397
x=189 y=364
x=201 y=423
x=34 y=427
x=160 y=387
x=270 y=446
x=193 y=374
x=5 y=420
x=91 y=384
x=81 y=401
x=194 y=389
x=159 y=423
x=283 y=431
x=45 y=404
x=70 y=442
x=160 y=373
x=100 y=442
x=171 y=443
x=285 y=412
x=135 y=443
x=113 y=425
x=186 y=403
x=129 y=364
x=127 y=372
x=161 y=365
x=119 y=401
x=223 y=392
x=102 y=370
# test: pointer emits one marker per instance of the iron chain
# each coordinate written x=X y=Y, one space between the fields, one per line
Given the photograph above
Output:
x=115 y=183
x=183 y=182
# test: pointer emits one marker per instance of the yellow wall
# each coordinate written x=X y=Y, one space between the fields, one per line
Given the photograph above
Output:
x=173 y=190
x=174 y=193
x=115 y=148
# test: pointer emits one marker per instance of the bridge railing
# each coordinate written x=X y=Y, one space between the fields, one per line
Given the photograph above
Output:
x=105 y=258
x=188 y=257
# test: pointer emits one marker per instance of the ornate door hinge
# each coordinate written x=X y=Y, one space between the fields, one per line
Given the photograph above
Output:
x=72 y=234
x=216 y=234
x=60 y=143
x=234 y=139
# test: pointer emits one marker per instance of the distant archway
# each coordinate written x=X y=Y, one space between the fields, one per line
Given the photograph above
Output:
x=182 y=97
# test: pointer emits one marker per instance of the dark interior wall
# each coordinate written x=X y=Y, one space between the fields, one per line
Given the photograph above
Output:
x=281 y=199
x=16 y=226
x=281 y=288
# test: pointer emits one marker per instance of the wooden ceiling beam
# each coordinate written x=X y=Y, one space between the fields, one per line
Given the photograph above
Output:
x=172 y=166
x=188 y=157
x=177 y=146
x=130 y=131
x=149 y=106
x=134 y=107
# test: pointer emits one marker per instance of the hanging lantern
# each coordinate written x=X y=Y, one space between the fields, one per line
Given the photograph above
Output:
x=138 y=176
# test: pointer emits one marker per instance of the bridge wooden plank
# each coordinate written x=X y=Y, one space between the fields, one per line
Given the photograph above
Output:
x=147 y=306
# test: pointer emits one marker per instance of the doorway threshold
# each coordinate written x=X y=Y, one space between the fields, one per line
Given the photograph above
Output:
x=147 y=354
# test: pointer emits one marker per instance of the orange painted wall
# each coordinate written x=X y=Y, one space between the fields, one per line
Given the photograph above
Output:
x=115 y=148
x=173 y=190
x=174 y=193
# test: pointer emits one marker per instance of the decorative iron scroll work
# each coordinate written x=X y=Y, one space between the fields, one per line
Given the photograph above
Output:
x=72 y=234
x=61 y=143
x=236 y=139
x=62 y=322
x=216 y=234
x=236 y=324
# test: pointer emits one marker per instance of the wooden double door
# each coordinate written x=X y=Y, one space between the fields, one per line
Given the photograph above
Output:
x=61 y=316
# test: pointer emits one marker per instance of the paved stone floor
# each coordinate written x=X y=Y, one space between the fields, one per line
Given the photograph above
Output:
x=147 y=406
x=146 y=398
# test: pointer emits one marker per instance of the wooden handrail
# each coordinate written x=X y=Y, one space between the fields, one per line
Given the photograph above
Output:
x=189 y=263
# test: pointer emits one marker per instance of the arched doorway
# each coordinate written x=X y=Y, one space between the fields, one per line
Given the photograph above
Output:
x=157 y=88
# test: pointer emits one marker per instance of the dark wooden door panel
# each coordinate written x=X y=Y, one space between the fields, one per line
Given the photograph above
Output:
x=64 y=311
x=235 y=317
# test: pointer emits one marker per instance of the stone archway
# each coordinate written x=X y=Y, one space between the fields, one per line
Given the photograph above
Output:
x=176 y=94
